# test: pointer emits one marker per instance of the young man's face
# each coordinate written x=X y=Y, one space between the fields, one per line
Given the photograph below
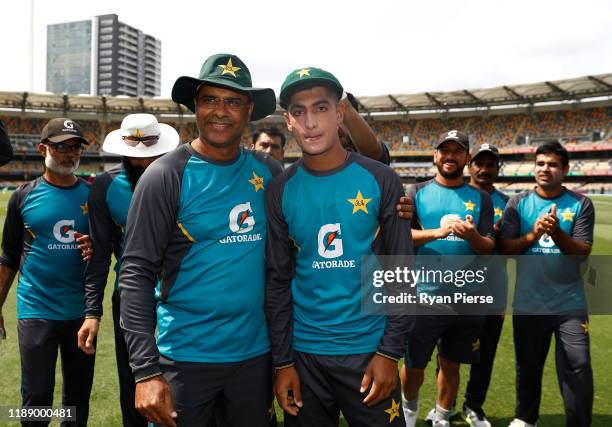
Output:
x=450 y=159
x=484 y=169
x=549 y=171
x=271 y=145
x=313 y=117
x=221 y=115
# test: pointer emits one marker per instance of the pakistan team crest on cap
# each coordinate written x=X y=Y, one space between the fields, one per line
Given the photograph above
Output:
x=226 y=71
x=229 y=68
x=307 y=77
x=303 y=72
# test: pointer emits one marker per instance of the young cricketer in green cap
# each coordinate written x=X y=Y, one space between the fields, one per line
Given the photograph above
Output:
x=336 y=207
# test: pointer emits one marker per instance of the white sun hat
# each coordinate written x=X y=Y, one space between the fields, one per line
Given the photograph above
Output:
x=141 y=135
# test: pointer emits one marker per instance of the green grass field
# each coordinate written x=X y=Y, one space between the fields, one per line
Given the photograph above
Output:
x=500 y=402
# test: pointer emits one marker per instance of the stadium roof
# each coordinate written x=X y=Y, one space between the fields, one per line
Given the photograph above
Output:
x=548 y=91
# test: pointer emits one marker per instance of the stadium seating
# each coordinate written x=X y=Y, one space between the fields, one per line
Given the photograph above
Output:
x=403 y=137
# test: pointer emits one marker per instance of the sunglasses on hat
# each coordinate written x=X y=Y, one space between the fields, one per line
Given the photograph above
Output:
x=133 y=141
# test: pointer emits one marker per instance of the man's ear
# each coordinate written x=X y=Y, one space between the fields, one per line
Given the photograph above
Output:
x=42 y=149
x=251 y=108
x=566 y=169
x=288 y=121
x=340 y=110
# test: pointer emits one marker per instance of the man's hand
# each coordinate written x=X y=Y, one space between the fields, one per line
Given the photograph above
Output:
x=87 y=334
x=84 y=245
x=154 y=401
x=550 y=222
x=497 y=226
x=381 y=374
x=447 y=227
x=405 y=208
x=465 y=229
x=286 y=380
x=538 y=227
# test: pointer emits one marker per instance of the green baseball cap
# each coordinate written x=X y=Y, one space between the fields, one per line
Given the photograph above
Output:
x=229 y=72
x=304 y=78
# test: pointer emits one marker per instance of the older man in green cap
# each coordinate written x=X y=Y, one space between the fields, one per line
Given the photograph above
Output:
x=194 y=251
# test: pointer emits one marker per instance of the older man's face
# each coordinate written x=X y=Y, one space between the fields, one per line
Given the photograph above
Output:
x=62 y=158
x=221 y=115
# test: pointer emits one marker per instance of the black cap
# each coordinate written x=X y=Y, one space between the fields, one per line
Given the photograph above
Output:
x=456 y=136
x=485 y=148
x=62 y=129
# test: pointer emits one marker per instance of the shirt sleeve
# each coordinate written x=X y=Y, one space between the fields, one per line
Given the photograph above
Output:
x=398 y=248
x=279 y=273
x=485 y=223
x=511 y=221
x=585 y=223
x=102 y=231
x=150 y=224
x=12 y=234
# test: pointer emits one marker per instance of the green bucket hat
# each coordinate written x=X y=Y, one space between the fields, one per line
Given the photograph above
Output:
x=304 y=78
x=226 y=71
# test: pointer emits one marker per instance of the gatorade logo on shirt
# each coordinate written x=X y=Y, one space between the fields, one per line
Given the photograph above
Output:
x=546 y=245
x=330 y=242
x=547 y=242
x=330 y=247
x=241 y=221
x=63 y=231
x=241 y=218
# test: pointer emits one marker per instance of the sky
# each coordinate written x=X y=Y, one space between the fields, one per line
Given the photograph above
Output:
x=373 y=47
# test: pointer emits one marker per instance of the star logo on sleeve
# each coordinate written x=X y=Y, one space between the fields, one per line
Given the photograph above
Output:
x=568 y=215
x=393 y=411
x=498 y=212
x=229 y=68
x=476 y=345
x=469 y=205
x=303 y=72
x=359 y=203
x=257 y=181
x=85 y=208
